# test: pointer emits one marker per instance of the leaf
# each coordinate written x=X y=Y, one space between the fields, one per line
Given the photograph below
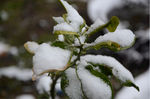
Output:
x=130 y=84
x=116 y=41
x=100 y=25
x=118 y=70
x=109 y=44
x=103 y=68
x=101 y=75
x=65 y=32
x=60 y=44
x=112 y=24
x=64 y=82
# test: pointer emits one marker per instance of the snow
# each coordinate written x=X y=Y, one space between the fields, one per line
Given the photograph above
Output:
x=73 y=16
x=5 y=48
x=94 y=26
x=118 y=70
x=123 y=37
x=25 y=96
x=143 y=82
x=59 y=20
x=64 y=27
x=94 y=87
x=73 y=90
x=100 y=8
x=16 y=72
x=43 y=84
x=31 y=46
x=48 y=59
x=60 y=37
x=82 y=40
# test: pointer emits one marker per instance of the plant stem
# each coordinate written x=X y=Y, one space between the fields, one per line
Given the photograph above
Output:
x=54 y=81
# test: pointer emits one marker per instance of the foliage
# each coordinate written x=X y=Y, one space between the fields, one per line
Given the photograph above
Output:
x=78 y=68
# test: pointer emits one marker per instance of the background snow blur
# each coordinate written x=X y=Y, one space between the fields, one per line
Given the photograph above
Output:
x=26 y=20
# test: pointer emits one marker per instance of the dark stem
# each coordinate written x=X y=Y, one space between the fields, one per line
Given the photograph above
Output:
x=54 y=81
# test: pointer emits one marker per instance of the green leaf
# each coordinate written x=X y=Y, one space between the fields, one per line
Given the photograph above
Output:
x=65 y=32
x=64 y=82
x=109 y=44
x=69 y=39
x=101 y=76
x=60 y=44
x=130 y=84
x=103 y=68
x=65 y=17
x=112 y=24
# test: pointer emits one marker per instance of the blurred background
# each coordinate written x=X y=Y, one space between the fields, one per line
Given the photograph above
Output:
x=31 y=20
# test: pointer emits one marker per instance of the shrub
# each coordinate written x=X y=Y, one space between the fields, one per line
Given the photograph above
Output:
x=82 y=76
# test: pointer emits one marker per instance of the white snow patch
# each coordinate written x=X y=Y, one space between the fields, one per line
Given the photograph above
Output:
x=48 y=58
x=123 y=37
x=43 y=84
x=73 y=90
x=143 y=81
x=77 y=42
x=25 y=96
x=5 y=48
x=59 y=19
x=118 y=70
x=60 y=37
x=94 y=87
x=73 y=16
x=64 y=27
x=16 y=72
x=100 y=8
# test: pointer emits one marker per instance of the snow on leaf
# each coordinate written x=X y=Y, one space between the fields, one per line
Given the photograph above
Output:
x=118 y=70
x=93 y=86
x=99 y=25
x=64 y=28
x=49 y=59
x=73 y=16
x=71 y=84
x=58 y=20
x=118 y=40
